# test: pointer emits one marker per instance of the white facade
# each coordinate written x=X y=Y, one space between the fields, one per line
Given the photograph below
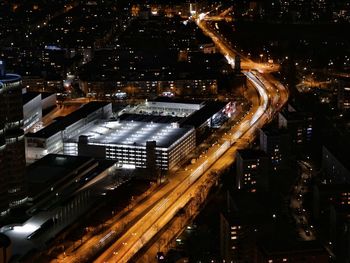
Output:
x=50 y=139
x=32 y=112
x=126 y=141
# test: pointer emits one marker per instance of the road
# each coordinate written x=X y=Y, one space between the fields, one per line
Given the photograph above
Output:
x=131 y=232
x=157 y=217
x=271 y=97
x=226 y=48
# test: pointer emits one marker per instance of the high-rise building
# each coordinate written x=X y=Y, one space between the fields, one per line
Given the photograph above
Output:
x=12 y=152
x=299 y=126
x=276 y=144
x=252 y=170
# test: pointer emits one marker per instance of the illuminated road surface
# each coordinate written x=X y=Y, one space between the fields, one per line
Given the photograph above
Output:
x=150 y=216
x=150 y=224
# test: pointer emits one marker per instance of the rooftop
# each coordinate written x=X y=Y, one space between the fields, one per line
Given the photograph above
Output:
x=134 y=133
x=200 y=116
x=251 y=153
x=49 y=170
x=178 y=100
x=68 y=120
x=149 y=118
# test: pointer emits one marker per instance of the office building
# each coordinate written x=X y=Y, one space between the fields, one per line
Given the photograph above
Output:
x=299 y=125
x=12 y=153
x=50 y=139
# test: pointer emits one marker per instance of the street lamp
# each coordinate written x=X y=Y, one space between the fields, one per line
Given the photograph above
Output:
x=261 y=57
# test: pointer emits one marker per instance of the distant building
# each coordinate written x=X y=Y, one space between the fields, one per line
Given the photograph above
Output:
x=276 y=144
x=12 y=153
x=145 y=88
x=252 y=170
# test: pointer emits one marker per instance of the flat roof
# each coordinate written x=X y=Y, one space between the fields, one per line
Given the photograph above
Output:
x=134 y=133
x=28 y=96
x=251 y=153
x=50 y=169
x=68 y=120
x=178 y=100
x=197 y=118
x=149 y=118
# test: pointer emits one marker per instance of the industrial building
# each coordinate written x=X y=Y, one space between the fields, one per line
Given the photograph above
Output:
x=127 y=142
x=50 y=139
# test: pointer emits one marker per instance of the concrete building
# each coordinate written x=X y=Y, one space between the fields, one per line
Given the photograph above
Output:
x=276 y=144
x=50 y=139
x=126 y=142
x=48 y=100
x=12 y=153
x=252 y=170
x=299 y=126
x=335 y=163
x=60 y=189
x=32 y=109
x=202 y=115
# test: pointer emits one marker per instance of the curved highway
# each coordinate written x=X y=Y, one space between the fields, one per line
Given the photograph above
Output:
x=149 y=217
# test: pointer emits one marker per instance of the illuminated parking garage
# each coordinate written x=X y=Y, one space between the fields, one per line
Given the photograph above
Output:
x=129 y=142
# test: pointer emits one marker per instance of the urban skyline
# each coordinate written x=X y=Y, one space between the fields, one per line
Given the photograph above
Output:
x=178 y=131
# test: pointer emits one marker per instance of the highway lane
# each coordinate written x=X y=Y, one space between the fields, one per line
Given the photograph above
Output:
x=272 y=94
x=149 y=225
x=227 y=49
x=162 y=206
